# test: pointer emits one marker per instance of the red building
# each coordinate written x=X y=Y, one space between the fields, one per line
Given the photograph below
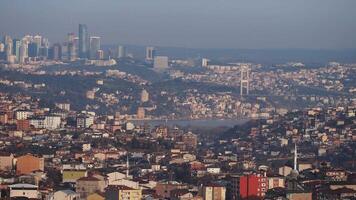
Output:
x=23 y=125
x=253 y=186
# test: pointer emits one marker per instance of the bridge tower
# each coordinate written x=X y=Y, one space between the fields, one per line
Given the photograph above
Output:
x=244 y=80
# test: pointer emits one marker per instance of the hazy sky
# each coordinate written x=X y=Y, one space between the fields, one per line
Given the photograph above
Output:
x=253 y=24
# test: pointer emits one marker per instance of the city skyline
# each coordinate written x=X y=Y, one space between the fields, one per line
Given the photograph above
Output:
x=246 y=25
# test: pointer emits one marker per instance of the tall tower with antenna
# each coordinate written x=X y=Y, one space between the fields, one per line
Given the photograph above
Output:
x=244 y=80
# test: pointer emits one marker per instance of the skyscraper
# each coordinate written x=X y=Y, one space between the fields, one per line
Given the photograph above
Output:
x=33 y=50
x=8 y=47
x=23 y=54
x=2 y=47
x=150 y=53
x=94 y=47
x=38 y=40
x=83 y=41
x=56 y=52
x=121 y=51
x=16 y=48
x=71 y=47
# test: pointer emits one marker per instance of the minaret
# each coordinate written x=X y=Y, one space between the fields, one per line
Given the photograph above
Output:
x=295 y=156
x=127 y=166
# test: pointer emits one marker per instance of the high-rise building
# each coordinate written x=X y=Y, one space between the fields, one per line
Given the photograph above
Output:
x=71 y=47
x=16 y=43
x=204 y=62
x=83 y=41
x=8 y=48
x=94 y=47
x=44 y=48
x=38 y=40
x=23 y=54
x=253 y=186
x=2 y=47
x=121 y=51
x=56 y=52
x=2 y=51
x=71 y=37
x=160 y=62
x=99 y=54
x=32 y=50
x=150 y=53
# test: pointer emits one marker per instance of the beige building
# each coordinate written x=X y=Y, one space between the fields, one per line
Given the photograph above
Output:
x=65 y=195
x=299 y=196
x=164 y=189
x=89 y=185
x=96 y=196
x=276 y=181
x=6 y=162
x=214 y=192
x=121 y=192
x=24 y=190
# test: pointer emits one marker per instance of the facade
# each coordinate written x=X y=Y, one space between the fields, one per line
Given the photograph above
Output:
x=299 y=196
x=52 y=122
x=3 y=118
x=89 y=185
x=56 y=52
x=6 y=162
x=190 y=140
x=71 y=176
x=121 y=192
x=160 y=62
x=253 y=186
x=233 y=187
x=23 y=125
x=24 y=190
x=83 y=41
x=150 y=53
x=27 y=164
x=164 y=189
x=95 y=196
x=65 y=195
x=22 y=114
x=121 y=51
x=85 y=121
x=23 y=53
x=94 y=47
x=99 y=55
x=214 y=192
x=16 y=48
x=276 y=181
